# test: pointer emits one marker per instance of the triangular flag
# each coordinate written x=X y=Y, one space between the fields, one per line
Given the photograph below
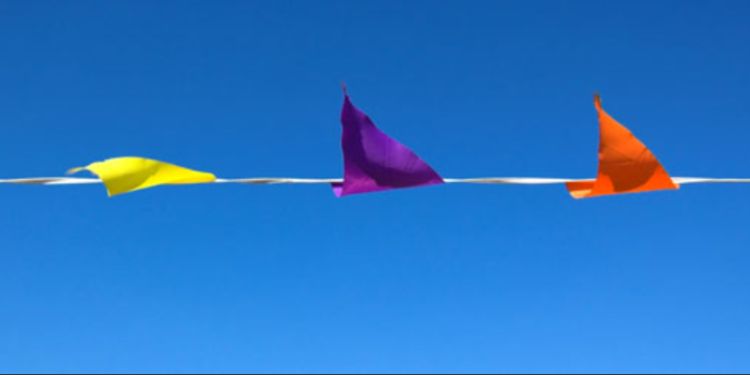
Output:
x=373 y=161
x=127 y=174
x=626 y=165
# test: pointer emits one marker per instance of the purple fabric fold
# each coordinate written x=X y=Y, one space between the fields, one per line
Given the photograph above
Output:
x=373 y=161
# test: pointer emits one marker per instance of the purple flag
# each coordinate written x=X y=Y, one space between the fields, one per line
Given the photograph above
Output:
x=374 y=161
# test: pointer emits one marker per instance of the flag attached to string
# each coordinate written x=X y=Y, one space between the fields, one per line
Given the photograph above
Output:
x=128 y=174
x=373 y=161
x=626 y=165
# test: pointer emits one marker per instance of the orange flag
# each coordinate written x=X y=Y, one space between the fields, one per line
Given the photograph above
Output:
x=625 y=164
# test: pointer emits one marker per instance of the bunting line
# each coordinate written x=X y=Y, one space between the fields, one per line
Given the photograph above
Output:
x=328 y=181
x=374 y=161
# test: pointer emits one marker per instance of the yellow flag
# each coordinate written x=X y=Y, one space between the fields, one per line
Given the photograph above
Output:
x=127 y=174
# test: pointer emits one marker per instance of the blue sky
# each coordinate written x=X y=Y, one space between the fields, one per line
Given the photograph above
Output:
x=439 y=279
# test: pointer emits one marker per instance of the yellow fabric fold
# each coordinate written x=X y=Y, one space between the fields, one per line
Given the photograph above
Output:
x=128 y=174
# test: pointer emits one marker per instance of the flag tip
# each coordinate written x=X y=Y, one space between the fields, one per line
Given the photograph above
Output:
x=597 y=99
x=74 y=170
x=344 y=89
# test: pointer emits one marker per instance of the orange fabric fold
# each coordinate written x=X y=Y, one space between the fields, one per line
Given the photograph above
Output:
x=626 y=165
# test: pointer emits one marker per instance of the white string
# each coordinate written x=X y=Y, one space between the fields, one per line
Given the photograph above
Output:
x=308 y=181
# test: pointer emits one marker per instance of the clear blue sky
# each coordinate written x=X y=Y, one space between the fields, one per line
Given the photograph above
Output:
x=446 y=278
